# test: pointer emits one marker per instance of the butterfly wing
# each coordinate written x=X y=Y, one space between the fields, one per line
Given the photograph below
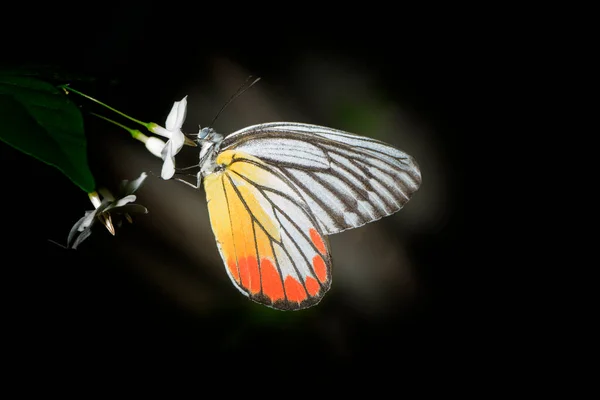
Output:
x=346 y=180
x=273 y=248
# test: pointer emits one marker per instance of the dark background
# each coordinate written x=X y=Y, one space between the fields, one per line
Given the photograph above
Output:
x=157 y=290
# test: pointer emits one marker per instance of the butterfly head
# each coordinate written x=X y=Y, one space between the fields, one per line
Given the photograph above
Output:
x=209 y=142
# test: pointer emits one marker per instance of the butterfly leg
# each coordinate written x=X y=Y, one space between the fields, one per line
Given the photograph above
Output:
x=186 y=168
x=186 y=182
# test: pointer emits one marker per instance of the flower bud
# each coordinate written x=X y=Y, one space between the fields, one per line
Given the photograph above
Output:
x=155 y=146
x=95 y=199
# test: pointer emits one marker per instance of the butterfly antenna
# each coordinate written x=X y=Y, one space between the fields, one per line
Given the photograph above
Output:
x=242 y=89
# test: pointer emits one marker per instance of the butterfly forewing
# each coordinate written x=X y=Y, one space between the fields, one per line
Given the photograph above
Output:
x=273 y=248
x=346 y=180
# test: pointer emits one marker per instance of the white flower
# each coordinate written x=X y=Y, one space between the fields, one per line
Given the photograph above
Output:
x=155 y=146
x=106 y=209
x=173 y=132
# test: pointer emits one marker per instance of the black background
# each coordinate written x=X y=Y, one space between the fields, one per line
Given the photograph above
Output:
x=87 y=305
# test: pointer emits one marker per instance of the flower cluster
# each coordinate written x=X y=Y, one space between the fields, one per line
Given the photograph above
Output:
x=107 y=210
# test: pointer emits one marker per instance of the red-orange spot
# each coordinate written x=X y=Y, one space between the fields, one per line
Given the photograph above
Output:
x=294 y=290
x=271 y=281
x=312 y=285
x=249 y=274
x=317 y=241
x=233 y=270
x=320 y=268
x=254 y=274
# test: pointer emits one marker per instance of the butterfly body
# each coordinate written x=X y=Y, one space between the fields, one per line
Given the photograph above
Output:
x=276 y=190
x=210 y=142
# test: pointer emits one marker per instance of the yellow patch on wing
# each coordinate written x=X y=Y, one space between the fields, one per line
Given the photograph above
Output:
x=220 y=221
x=245 y=204
x=243 y=239
x=227 y=157
x=258 y=205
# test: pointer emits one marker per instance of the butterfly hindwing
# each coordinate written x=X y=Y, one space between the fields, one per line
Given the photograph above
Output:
x=274 y=249
x=346 y=180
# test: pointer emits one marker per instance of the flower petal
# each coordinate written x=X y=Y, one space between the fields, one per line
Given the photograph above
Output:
x=131 y=209
x=177 y=115
x=177 y=142
x=80 y=238
x=106 y=195
x=172 y=117
x=85 y=219
x=121 y=202
x=159 y=130
x=128 y=187
x=168 y=168
x=181 y=113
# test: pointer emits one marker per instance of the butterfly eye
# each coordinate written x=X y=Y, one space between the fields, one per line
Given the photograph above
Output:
x=204 y=133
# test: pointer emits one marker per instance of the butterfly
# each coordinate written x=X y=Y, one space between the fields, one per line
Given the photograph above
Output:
x=275 y=191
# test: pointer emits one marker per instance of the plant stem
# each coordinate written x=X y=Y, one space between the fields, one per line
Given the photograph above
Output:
x=133 y=132
x=144 y=124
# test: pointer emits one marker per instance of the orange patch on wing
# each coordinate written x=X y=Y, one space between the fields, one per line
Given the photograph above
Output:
x=312 y=285
x=249 y=274
x=233 y=270
x=320 y=268
x=317 y=241
x=294 y=290
x=271 y=281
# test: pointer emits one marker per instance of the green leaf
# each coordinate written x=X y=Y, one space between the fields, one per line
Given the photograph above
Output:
x=39 y=120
